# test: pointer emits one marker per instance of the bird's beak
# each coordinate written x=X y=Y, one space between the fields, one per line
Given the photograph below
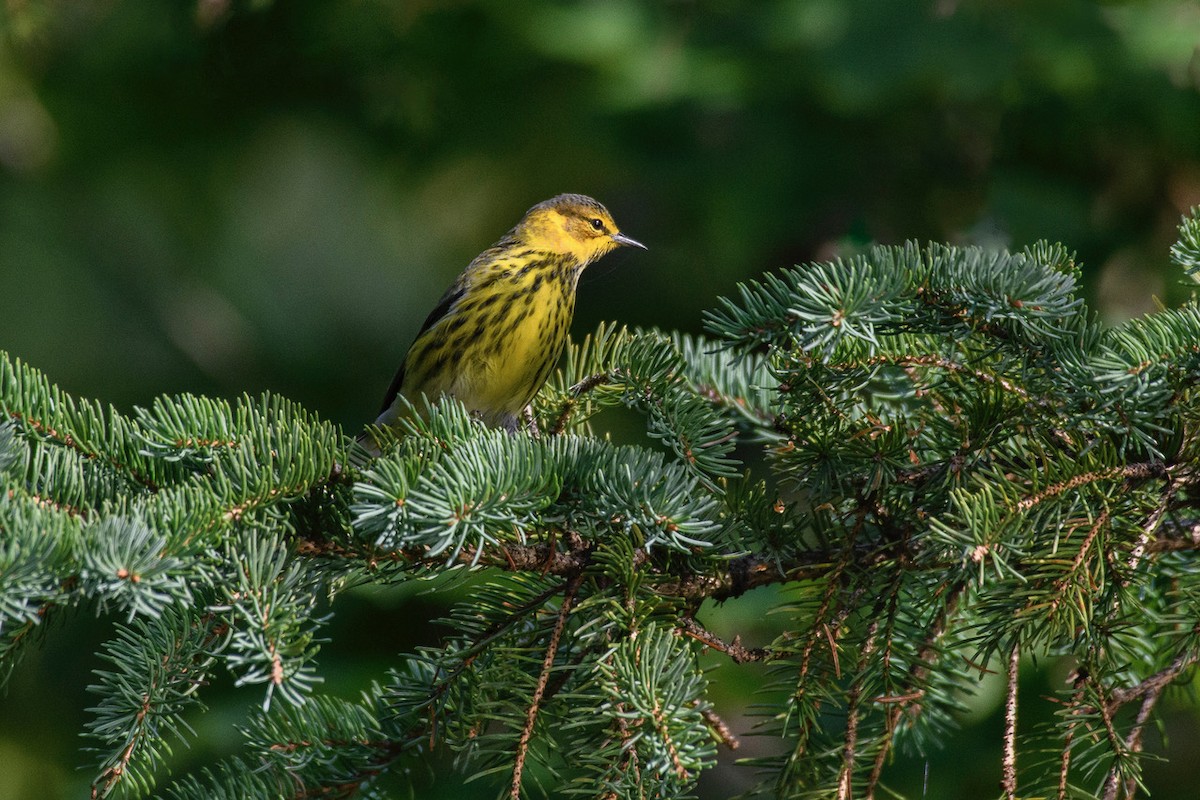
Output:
x=621 y=238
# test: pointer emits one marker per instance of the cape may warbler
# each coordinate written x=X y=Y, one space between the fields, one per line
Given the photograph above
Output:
x=499 y=330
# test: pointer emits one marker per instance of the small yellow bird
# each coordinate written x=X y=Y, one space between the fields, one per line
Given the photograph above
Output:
x=500 y=329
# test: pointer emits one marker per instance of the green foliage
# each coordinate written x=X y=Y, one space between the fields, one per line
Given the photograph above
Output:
x=235 y=195
x=941 y=455
x=650 y=729
x=1185 y=253
x=157 y=667
x=286 y=183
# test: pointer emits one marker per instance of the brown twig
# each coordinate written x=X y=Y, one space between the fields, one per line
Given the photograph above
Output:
x=1176 y=537
x=1064 y=766
x=916 y=674
x=810 y=645
x=721 y=400
x=1114 y=741
x=740 y=576
x=531 y=422
x=1138 y=471
x=941 y=362
x=1154 y=684
x=1061 y=585
x=721 y=729
x=892 y=716
x=1009 y=764
x=735 y=649
x=531 y=713
x=853 y=701
x=1133 y=740
x=145 y=717
x=568 y=407
x=47 y=502
x=496 y=629
x=1152 y=523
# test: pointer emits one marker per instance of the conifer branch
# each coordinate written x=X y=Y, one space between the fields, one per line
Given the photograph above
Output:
x=741 y=404
x=1185 y=253
x=1154 y=519
x=67 y=440
x=1133 y=739
x=1156 y=683
x=352 y=785
x=1061 y=586
x=516 y=614
x=1112 y=781
x=544 y=558
x=971 y=463
x=1175 y=537
x=911 y=691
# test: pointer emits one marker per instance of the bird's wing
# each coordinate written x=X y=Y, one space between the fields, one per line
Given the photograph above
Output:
x=452 y=295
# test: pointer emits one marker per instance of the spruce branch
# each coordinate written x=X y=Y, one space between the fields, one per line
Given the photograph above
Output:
x=1133 y=744
x=942 y=362
x=145 y=694
x=946 y=458
x=912 y=689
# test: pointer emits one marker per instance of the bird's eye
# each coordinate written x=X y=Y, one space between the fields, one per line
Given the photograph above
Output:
x=598 y=225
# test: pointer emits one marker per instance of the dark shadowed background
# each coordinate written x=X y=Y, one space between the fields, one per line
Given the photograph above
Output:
x=225 y=197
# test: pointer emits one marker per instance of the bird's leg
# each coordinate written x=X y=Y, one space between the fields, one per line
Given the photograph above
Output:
x=531 y=421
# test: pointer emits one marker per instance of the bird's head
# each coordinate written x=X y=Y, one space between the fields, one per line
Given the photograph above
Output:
x=573 y=225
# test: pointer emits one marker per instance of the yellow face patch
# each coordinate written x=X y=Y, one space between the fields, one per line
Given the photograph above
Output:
x=582 y=234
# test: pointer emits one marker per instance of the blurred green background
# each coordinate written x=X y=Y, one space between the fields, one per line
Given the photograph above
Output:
x=225 y=197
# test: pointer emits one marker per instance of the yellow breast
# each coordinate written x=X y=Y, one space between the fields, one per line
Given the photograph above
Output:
x=499 y=343
x=502 y=380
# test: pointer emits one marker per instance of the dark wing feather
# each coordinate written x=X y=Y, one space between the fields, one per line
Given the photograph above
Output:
x=451 y=297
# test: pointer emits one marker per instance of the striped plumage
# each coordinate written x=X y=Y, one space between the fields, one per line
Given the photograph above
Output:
x=497 y=333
